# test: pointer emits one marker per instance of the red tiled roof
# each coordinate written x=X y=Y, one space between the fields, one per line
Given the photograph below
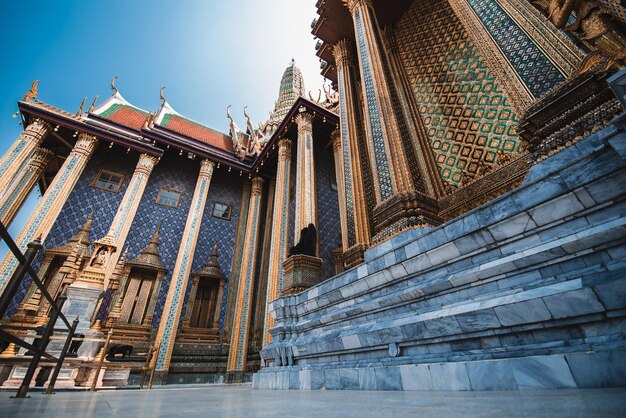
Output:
x=196 y=131
x=125 y=115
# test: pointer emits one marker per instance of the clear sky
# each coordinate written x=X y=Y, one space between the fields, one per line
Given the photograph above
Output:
x=207 y=53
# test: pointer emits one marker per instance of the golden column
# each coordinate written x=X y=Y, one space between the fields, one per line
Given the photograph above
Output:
x=118 y=231
x=168 y=326
x=17 y=192
x=279 y=238
x=243 y=300
x=343 y=195
x=45 y=214
x=21 y=150
x=402 y=193
x=357 y=232
x=306 y=196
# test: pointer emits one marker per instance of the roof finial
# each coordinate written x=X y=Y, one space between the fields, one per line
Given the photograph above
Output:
x=80 y=109
x=113 y=84
x=215 y=247
x=31 y=94
x=162 y=97
x=293 y=62
x=93 y=104
x=228 y=113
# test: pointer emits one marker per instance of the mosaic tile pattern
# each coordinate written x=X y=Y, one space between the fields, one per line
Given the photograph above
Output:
x=467 y=116
x=84 y=200
x=328 y=228
x=225 y=188
x=347 y=169
x=383 y=176
x=533 y=67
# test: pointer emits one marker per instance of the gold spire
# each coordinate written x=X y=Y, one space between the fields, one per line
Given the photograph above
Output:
x=80 y=109
x=93 y=105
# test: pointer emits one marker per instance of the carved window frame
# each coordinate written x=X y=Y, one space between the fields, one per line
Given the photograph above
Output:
x=230 y=210
x=168 y=189
x=95 y=185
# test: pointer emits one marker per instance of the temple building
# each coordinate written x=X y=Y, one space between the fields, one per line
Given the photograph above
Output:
x=447 y=214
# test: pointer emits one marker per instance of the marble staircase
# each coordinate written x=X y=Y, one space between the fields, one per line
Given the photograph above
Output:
x=525 y=292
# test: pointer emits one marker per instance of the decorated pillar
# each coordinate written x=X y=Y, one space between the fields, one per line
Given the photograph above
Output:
x=21 y=150
x=118 y=231
x=17 y=192
x=491 y=28
x=241 y=236
x=243 y=300
x=45 y=214
x=401 y=191
x=170 y=317
x=191 y=300
x=559 y=47
x=306 y=195
x=279 y=238
x=342 y=194
x=350 y=156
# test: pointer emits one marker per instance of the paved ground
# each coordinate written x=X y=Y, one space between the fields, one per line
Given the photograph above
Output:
x=242 y=401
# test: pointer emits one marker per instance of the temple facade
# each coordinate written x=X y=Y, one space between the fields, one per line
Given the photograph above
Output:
x=449 y=208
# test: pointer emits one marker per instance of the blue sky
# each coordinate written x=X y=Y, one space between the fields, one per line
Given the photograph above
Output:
x=208 y=54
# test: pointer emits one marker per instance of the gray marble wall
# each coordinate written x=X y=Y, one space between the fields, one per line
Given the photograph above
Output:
x=527 y=291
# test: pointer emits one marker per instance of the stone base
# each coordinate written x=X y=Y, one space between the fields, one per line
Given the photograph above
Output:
x=526 y=291
x=561 y=371
x=301 y=272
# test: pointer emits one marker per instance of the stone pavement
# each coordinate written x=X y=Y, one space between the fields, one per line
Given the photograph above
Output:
x=242 y=401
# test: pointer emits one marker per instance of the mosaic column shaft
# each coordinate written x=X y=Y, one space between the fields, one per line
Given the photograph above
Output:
x=403 y=197
x=306 y=195
x=280 y=227
x=388 y=159
x=118 y=231
x=168 y=326
x=45 y=214
x=243 y=302
x=241 y=236
x=17 y=192
x=342 y=196
x=357 y=230
x=21 y=150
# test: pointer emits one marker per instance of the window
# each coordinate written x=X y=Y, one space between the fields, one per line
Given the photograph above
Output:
x=221 y=210
x=109 y=181
x=168 y=197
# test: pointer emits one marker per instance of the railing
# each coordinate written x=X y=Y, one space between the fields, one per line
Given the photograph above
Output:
x=38 y=349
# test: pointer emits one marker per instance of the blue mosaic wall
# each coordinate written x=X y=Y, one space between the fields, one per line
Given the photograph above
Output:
x=174 y=172
x=534 y=68
x=329 y=227
x=84 y=200
x=225 y=188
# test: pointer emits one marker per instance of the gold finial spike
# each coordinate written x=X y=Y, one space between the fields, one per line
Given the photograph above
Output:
x=215 y=247
x=113 y=84
x=93 y=105
x=162 y=97
x=228 y=113
x=31 y=94
x=80 y=109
